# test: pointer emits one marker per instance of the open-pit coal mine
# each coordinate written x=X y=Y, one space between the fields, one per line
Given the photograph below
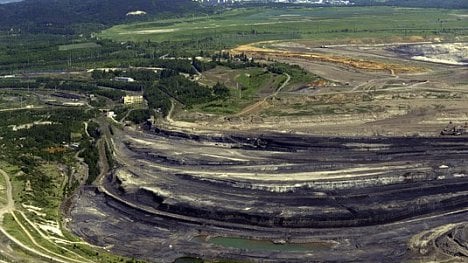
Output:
x=277 y=197
x=447 y=53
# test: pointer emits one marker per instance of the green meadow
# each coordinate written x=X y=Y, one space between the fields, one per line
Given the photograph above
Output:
x=331 y=23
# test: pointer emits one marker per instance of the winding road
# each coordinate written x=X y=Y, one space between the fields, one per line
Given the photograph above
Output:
x=10 y=205
x=9 y=208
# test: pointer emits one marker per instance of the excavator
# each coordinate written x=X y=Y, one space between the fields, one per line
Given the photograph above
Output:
x=454 y=130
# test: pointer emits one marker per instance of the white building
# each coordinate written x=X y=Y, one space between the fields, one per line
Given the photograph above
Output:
x=129 y=100
x=123 y=79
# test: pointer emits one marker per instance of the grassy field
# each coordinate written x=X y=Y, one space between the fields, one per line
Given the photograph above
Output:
x=78 y=46
x=12 y=99
x=3 y=199
x=327 y=24
x=39 y=227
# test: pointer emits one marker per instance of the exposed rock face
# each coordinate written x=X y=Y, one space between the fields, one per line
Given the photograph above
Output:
x=453 y=54
x=445 y=242
x=136 y=13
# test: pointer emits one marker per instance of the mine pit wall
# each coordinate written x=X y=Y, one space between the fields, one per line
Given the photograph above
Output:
x=445 y=242
x=350 y=208
x=271 y=141
x=454 y=242
x=347 y=213
x=322 y=185
x=354 y=202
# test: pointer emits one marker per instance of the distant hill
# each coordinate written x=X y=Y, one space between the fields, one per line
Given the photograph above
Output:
x=58 y=16
x=462 y=4
x=9 y=1
x=57 y=13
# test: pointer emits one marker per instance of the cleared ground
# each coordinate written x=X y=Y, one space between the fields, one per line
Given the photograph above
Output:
x=363 y=89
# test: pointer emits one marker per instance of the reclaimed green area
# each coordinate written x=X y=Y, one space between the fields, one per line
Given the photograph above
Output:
x=246 y=86
x=327 y=24
x=177 y=88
